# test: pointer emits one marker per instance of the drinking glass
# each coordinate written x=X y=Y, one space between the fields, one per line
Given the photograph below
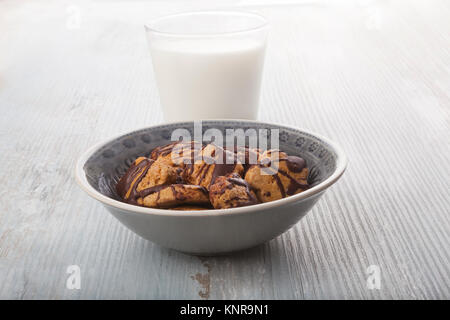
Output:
x=208 y=65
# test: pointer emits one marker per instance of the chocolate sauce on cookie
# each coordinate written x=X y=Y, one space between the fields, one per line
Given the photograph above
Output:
x=233 y=180
x=227 y=166
x=192 y=147
x=163 y=150
x=175 y=188
x=148 y=191
x=221 y=162
x=294 y=185
x=294 y=164
x=129 y=182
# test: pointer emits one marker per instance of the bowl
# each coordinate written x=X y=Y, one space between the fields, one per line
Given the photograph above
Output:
x=208 y=232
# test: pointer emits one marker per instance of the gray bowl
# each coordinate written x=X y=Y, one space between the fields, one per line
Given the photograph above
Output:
x=210 y=231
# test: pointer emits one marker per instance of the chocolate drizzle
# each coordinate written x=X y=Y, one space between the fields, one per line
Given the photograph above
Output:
x=241 y=182
x=227 y=166
x=294 y=185
x=228 y=183
x=238 y=181
x=175 y=188
x=148 y=191
x=218 y=166
x=163 y=150
x=221 y=165
x=280 y=185
x=127 y=186
x=295 y=165
x=184 y=150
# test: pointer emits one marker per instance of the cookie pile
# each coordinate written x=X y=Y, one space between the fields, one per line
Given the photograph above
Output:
x=212 y=178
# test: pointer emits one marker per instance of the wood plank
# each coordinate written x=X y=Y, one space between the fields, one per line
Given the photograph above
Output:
x=373 y=76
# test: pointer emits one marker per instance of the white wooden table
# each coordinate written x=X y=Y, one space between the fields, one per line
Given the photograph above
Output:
x=372 y=75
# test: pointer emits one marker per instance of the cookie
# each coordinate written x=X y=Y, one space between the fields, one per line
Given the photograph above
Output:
x=177 y=153
x=160 y=172
x=277 y=176
x=127 y=186
x=174 y=195
x=231 y=191
x=192 y=176
x=215 y=162
x=145 y=173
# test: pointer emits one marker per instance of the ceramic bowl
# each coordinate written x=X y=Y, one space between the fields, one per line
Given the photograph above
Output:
x=208 y=232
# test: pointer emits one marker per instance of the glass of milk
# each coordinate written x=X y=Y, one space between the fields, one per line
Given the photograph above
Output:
x=208 y=65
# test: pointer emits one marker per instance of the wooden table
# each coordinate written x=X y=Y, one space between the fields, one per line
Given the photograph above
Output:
x=371 y=75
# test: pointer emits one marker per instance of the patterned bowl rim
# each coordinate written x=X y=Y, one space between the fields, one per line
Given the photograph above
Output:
x=341 y=164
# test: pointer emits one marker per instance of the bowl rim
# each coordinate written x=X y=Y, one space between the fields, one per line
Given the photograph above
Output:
x=80 y=177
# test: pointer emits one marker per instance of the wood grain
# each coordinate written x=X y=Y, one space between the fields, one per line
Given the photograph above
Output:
x=372 y=75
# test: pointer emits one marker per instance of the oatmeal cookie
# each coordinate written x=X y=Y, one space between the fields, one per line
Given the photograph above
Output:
x=231 y=191
x=275 y=178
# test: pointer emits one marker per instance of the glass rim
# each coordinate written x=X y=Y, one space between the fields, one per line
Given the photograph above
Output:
x=151 y=28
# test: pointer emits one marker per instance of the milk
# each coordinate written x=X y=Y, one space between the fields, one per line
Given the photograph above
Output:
x=208 y=79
